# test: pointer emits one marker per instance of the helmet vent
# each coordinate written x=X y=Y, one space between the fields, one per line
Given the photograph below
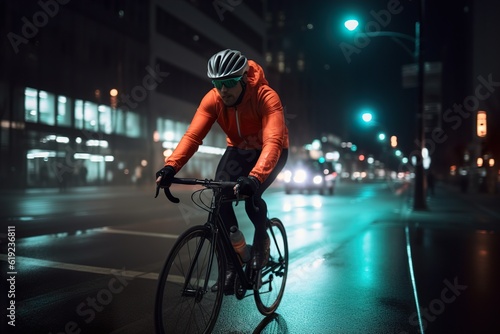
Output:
x=226 y=64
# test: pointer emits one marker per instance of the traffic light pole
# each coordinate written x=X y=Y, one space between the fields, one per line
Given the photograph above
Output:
x=419 y=202
x=419 y=196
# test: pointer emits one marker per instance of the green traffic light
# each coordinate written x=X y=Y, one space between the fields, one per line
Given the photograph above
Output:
x=367 y=117
x=351 y=24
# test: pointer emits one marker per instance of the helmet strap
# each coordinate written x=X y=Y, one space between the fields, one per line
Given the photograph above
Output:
x=244 y=88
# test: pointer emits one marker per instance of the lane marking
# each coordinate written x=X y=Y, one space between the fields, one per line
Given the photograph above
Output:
x=100 y=270
x=81 y=268
x=412 y=275
x=144 y=234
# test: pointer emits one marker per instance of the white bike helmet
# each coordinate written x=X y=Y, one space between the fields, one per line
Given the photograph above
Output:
x=227 y=64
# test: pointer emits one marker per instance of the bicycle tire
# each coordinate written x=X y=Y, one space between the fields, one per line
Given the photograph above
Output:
x=182 y=307
x=269 y=292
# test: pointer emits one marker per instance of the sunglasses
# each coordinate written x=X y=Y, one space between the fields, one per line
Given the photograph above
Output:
x=229 y=83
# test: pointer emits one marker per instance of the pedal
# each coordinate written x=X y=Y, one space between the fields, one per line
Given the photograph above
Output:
x=239 y=290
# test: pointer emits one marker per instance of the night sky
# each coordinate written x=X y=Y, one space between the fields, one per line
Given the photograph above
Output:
x=343 y=85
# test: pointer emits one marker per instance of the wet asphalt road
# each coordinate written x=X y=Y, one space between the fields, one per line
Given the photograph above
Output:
x=360 y=261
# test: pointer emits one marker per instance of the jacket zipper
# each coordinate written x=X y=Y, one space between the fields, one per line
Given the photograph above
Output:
x=238 y=124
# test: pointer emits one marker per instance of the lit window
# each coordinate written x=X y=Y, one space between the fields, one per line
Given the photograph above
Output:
x=133 y=125
x=79 y=114
x=63 y=111
x=119 y=121
x=30 y=105
x=47 y=108
x=90 y=116
x=105 y=119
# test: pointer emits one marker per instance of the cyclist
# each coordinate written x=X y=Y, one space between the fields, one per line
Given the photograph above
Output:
x=252 y=117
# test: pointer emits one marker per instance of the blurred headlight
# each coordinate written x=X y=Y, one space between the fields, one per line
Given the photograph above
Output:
x=317 y=179
x=300 y=176
x=287 y=176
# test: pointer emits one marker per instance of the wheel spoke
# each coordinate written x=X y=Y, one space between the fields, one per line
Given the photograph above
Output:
x=269 y=294
x=184 y=302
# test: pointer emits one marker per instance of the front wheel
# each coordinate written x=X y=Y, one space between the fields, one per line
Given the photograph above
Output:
x=185 y=302
x=271 y=286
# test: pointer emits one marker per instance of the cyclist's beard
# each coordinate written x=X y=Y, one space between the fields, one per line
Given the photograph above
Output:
x=238 y=100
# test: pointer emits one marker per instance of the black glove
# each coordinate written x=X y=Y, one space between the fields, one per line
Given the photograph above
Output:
x=167 y=174
x=248 y=185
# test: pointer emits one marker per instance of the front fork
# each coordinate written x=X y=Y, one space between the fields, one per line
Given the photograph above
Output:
x=195 y=291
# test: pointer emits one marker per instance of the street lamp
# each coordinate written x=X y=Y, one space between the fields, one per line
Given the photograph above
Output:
x=369 y=120
x=419 y=202
x=351 y=24
x=367 y=117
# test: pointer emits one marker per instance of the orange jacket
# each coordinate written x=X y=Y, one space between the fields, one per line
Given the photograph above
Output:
x=257 y=122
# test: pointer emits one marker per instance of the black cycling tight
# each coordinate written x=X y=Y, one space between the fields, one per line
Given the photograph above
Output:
x=235 y=163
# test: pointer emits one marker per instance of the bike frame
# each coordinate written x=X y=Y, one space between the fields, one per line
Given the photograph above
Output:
x=216 y=227
x=192 y=243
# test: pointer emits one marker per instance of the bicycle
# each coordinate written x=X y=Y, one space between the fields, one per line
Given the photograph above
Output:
x=185 y=299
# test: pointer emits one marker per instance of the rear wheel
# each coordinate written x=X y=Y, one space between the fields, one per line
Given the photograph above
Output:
x=185 y=302
x=269 y=290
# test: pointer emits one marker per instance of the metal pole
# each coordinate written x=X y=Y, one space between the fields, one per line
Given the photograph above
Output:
x=419 y=202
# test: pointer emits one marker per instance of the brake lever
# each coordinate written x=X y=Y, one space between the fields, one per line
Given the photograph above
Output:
x=157 y=190
x=168 y=194
x=237 y=194
x=255 y=207
x=239 y=198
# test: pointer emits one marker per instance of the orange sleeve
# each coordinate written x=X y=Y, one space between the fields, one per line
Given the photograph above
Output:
x=273 y=133
x=201 y=123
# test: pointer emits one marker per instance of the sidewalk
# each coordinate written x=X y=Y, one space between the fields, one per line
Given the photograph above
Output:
x=450 y=207
x=454 y=247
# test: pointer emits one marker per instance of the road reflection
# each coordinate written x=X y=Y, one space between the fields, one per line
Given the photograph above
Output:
x=273 y=323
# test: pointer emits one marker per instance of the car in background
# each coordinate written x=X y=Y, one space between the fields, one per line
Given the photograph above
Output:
x=310 y=175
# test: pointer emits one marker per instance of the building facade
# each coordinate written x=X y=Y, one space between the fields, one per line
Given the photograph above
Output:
x=98 y=92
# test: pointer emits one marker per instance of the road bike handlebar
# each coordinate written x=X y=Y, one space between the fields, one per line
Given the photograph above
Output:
x=192 y=181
